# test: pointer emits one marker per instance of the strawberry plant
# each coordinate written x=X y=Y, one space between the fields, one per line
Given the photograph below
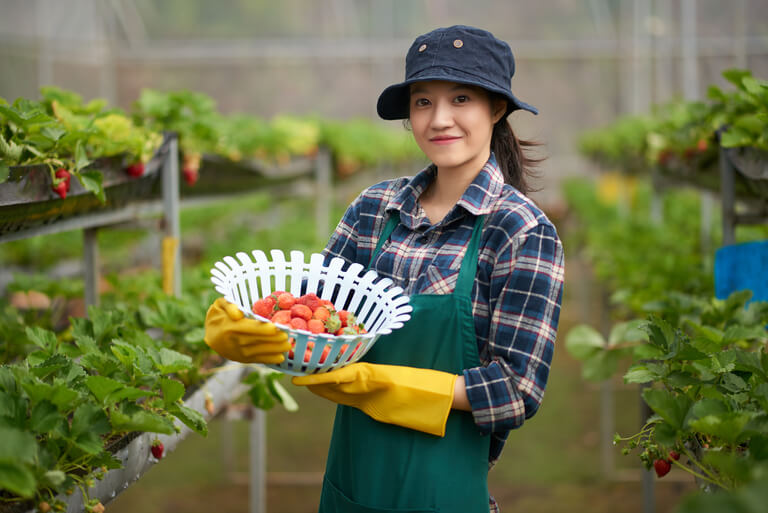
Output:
x=709 y=379
x=62 y=133
x=681 y=138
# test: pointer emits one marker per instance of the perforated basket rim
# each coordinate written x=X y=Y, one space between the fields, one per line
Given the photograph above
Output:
x=247 y=278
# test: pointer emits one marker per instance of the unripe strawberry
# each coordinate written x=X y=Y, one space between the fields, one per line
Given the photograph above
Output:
x=333 y=323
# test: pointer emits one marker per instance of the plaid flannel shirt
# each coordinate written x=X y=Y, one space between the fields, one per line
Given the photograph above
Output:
x=517 y=291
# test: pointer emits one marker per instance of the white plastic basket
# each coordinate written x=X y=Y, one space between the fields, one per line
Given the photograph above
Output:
x=379 y=306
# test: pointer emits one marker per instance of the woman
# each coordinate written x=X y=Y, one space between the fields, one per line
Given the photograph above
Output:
x=425 y=414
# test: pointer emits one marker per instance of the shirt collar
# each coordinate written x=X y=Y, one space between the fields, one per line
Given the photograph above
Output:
x=478 y=199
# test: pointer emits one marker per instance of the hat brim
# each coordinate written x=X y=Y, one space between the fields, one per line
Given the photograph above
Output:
x=394 y=101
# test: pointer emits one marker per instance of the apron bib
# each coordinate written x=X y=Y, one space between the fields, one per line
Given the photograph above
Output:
x=376 y=467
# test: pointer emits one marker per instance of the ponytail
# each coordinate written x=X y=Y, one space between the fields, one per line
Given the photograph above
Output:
x=512 y=156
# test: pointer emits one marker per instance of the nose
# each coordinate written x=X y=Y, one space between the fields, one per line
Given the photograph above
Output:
x=442 y=116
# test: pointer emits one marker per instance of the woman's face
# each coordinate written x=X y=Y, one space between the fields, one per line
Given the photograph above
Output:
x=453 y=123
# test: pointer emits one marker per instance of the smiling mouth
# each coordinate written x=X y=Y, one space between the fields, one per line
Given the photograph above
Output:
x=444 y=139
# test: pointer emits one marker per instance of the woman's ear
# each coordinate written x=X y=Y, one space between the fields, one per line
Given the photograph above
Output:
x=498 y=108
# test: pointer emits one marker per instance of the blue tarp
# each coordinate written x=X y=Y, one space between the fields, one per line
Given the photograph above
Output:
x=742 y=266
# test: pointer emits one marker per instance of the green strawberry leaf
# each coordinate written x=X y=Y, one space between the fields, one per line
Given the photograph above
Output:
x=672 y=408
x=18 y=479
x=583 y=341
x=191 y=418
x=172 y=391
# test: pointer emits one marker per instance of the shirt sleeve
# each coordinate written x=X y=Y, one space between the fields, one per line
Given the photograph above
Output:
x=526 y=287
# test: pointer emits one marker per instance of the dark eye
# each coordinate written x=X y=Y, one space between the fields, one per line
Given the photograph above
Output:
x=462 y=98
x=421 y=102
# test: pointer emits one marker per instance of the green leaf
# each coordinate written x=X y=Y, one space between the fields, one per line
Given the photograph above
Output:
x=18 y=479
x=735 y=76
x=169 y=361
x=630 y=331
x=583 y=341
x=81 y=161
x=92 y=181
x=5 y=171
x=127 y=420
x=726 y=426
x=89 y=418
x=733 y=382
x=191 y=418
x=44 y=417
x=172 y=390
x=45 y=339
x=640 y=373
x=17 y=445
x=672 y=408
x=109 y=391
x=665 y=434
x=601 y=366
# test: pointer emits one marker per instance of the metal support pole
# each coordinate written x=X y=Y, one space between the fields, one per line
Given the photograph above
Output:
x=258 y=462
x=323 y=202
x=690 y=65
x=728 y=198
x=171 y=225
x=91 y=266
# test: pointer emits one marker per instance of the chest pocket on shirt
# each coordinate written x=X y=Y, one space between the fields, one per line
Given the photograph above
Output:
x=438 y=280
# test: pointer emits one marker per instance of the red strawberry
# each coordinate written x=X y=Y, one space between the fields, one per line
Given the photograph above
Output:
x=157 y=449
x=298 y=323
x=321 y=313
x=136 y=169
x=65 y=174
x=190 y=175
x=264 y=307
x=702 y=145
x=285 y=301
x=61 y=189
x=662 y=467
x=674 y=455
x=324 y=354
x=343 y=317
x=301 y=311
x=282 y=317
x=310 y=299
x=315 y=326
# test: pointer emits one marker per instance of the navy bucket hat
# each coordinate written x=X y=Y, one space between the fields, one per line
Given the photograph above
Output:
x=462 y=54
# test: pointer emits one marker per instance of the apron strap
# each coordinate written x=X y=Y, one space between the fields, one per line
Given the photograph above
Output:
x=468 y=270
x=466 y=278
x=392 y=221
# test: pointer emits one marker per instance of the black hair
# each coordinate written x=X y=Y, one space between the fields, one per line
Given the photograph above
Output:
x=513 y=156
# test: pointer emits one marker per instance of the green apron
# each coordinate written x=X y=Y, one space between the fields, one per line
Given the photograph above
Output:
x=376 y=467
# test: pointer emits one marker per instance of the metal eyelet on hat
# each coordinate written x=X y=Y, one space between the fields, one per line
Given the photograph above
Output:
x=458 y=43
x=422 y=48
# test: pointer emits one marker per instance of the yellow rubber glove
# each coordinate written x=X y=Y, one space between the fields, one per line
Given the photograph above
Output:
x=239 y=339
x=418 y=399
